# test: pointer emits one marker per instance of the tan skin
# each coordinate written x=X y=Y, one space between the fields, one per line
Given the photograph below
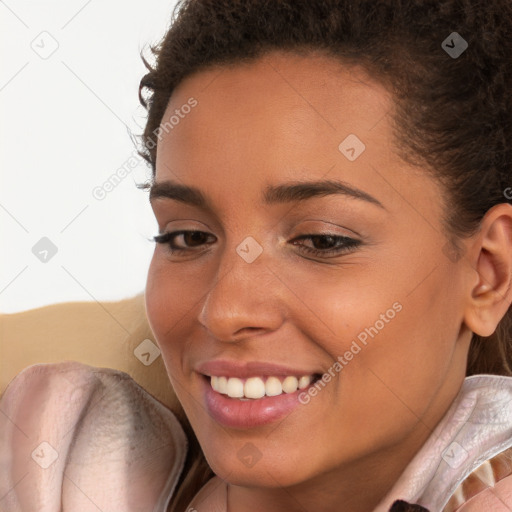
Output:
x=278 y=119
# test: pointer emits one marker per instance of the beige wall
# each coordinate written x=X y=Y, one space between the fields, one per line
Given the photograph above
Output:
x=99 y=334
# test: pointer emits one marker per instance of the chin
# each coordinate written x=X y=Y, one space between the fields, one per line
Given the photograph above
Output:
x=244 y=465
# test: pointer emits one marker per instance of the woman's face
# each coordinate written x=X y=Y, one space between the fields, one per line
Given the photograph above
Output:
x=318 y=251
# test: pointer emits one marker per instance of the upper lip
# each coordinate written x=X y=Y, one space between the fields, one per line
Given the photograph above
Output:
x=241 y=369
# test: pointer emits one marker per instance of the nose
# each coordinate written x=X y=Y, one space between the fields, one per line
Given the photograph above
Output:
x=244 y=299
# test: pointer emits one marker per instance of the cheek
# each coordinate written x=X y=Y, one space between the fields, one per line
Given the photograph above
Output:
x=173 y=299
x=397 y=346
x=156 y=299
x=170 y=298
x=404 y=365
x=163 y=311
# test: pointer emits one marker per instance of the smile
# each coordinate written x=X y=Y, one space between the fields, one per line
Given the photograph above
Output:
x=258 y=387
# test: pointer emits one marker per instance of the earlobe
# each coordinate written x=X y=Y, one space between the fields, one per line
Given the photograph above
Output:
x=491 y=291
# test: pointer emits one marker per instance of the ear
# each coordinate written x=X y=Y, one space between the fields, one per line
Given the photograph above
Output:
x=490 y=292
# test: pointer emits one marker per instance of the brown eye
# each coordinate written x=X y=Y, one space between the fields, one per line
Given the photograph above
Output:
x=323 y=241
x=327 y=244
x=193 y=238
x=189 y=240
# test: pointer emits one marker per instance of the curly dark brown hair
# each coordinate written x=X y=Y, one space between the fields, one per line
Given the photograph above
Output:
x=451 y=115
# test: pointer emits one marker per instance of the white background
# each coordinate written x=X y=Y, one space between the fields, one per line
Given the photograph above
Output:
x=65 y=121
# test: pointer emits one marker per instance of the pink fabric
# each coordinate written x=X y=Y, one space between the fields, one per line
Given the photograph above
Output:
x=477 y=427
x=76 y=438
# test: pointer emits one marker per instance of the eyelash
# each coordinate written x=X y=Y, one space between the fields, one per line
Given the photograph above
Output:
x=348 y=244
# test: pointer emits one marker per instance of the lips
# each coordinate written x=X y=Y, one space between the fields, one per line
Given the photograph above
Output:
x=250 y=394
x=244 y=370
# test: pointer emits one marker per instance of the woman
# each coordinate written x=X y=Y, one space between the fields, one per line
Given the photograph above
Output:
x=330 y=291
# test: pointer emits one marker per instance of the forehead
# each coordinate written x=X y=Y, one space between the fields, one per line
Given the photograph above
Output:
x=278 y=100
x=285 y=90
x=283 y=116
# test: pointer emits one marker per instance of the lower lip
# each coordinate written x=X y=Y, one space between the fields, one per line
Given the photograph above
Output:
x=235 y=413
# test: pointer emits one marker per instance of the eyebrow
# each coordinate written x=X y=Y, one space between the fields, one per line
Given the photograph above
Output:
x=273 y=194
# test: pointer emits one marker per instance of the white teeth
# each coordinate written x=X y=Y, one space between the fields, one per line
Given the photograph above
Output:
x=304 y=381
x=222 y=385
x=273 y=386
x=290 y=384
x=257 y=387
x=254 y=387
x=235 y=388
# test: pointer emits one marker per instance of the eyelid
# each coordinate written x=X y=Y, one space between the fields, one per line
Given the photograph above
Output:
x=184 y=225
x=319 y=228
